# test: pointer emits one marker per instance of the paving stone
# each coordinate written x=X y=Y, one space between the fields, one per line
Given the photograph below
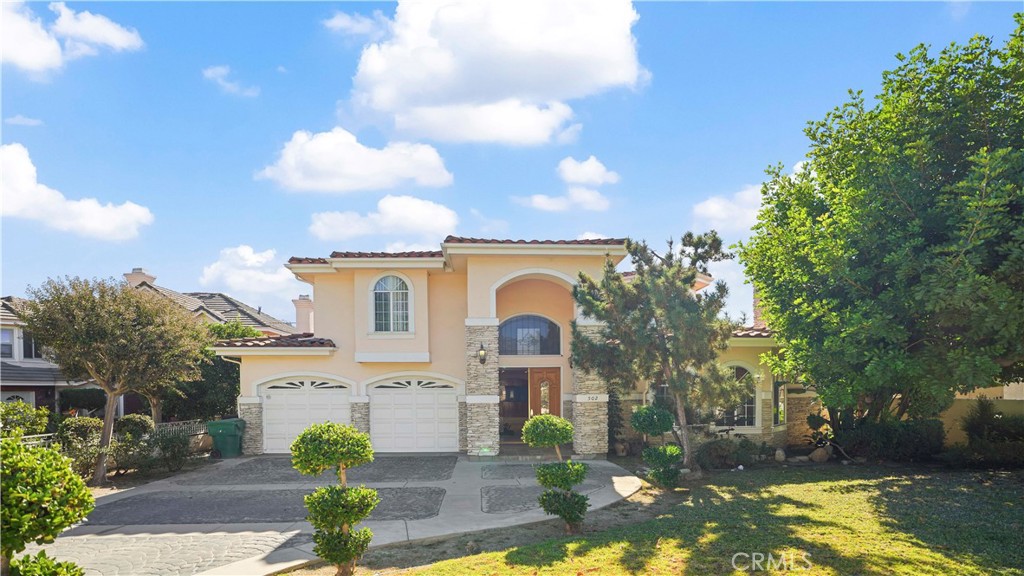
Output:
x=507 y=471
x=502 y=499
x=160 y=555
x=278 y=470
x=408 y=503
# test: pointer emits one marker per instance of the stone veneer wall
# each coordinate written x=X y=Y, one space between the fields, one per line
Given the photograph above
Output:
x=589 y=419
x=797 y=410
x=361 y=416
x=252 y=436
x=462 y=426
x=480 y=425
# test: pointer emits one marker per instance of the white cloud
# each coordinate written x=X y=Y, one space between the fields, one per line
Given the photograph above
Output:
x=282 y=69
x=590 y=171
x=336 y=162
x=404 y=216
x=358 y=25
x=410 y=247
x=29 y=45
x=20 y=120
x=489 y=225
x=219 y=76
x=730 y=214
x=472 y=71
x=252 y=277
x=592 y=236
x=576 y=197
x=24 y=197
x=741 y=295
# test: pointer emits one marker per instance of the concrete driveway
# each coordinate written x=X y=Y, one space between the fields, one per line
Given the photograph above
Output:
x=246 y=516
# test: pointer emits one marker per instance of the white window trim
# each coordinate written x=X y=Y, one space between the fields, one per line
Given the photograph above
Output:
x=15 y=352
x=758 y=418
x=562 y=335
x=372 y=310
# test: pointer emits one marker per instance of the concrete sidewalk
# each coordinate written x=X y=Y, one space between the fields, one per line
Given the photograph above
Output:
x=222 y=508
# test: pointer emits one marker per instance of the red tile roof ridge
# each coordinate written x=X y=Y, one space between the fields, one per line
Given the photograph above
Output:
x=752 y=332
x=588 y=242
x=303 y=340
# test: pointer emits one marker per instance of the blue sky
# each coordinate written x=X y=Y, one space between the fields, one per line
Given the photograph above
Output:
x=218 y=139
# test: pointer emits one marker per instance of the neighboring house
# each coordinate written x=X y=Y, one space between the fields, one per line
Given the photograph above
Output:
x=24 y=374
x=213 y=307
x=448 y=350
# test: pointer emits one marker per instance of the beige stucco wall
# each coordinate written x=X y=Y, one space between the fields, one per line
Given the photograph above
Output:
x=485 y=274
x=545 y=298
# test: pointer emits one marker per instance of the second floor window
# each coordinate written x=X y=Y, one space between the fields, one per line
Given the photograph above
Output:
x=391 y=305
x=529 y=336
x=6 y=343
x=30 y=349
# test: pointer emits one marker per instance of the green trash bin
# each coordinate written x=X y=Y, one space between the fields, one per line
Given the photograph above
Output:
x=227 y=436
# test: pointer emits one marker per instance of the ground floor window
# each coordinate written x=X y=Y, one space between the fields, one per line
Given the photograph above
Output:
x=746 y=413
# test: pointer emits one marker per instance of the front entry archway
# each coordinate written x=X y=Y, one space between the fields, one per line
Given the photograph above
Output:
x=526 y=392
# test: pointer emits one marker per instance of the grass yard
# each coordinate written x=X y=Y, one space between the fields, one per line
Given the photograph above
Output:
x=846 y=519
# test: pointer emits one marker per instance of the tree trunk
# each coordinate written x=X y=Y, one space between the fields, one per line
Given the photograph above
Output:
x=558 y=452
x=342 y=476
x=683 y=432
x=5 y=565
x=99 y=475
x=156 y=408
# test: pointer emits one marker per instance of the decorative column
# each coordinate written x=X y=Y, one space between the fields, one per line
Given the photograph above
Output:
x=589 y=408
x=480 y=424
x=360 y=406
x=250 y=409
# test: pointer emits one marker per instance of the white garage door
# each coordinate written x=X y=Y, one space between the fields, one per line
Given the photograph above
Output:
x=414 y=416
x=289 y=407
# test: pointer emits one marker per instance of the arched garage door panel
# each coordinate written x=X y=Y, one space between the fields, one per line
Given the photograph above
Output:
x=290 y=406
x=414 y=415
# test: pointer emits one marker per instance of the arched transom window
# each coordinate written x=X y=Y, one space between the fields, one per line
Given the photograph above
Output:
x=529 y=336
x=391 y=305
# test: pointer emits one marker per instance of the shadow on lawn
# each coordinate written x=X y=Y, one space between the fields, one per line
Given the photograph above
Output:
x=742 y=514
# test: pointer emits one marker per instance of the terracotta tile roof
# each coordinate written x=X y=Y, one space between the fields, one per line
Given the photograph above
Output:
x=752 y=332
x=306 y=260
x=594 y=242
x=419 y=254
x=304 y=340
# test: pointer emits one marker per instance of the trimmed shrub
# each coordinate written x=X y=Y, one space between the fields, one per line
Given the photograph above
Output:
x=745 y=452
x=333 y=510
x=562 y=475
x=567 y=505
x=547 y=430
x=899 y=441
x=43 y=565
x=662 y=460
x=330 y=445
x=666 y=477
x=79 y=439
x=18 y=418
x=132 y=453
x=40 y=495
x=717 y=453
x=172 y=449
x=138 y=425
x=652 y=420
x=80 y=429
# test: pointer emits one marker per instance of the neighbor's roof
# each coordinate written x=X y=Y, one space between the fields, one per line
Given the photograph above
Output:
x=752 y=332
x=233 y=310
x=9 y=307
x=10 y=373
x=304 y=340
x=592 y=242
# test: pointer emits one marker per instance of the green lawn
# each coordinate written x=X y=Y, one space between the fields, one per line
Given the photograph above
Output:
x=848 y=520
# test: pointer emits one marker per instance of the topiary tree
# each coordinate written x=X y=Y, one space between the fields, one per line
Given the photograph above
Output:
x=652 y=420
x=559 y=499
x=18 y=418
x=40 y=496
x=333 y=510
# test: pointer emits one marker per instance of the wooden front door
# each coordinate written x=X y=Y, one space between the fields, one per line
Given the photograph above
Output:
x=545 y=391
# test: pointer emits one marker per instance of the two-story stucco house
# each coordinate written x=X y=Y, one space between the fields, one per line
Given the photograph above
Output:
x=448 y=350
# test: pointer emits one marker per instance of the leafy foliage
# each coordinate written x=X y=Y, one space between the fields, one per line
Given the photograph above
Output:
x=662 y=460
x=43 y=565
x=123 y=339
x=717 y=453
x=215 y=393
x=130 y=452
x=652 y=420
x=18 y=418
x=330 y=445
x=902 y=441
x=173 y=449
x=39 y=495
x=333 y=506
x=83 y=429
x=568 y=505
x=615 y=419
x=656 y=329
x=563 y=475
x=890 y=267
x=547 y=430
x=342 y=549
x=79 y=439
x=135 y=424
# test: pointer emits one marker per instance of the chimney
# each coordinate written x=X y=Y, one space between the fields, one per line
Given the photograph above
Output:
x=758 y=313
x=138 y=276
x=303 y=313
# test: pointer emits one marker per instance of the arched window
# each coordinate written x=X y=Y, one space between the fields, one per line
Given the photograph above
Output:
x=529 y=336
x=391 y=305
x=745 y=414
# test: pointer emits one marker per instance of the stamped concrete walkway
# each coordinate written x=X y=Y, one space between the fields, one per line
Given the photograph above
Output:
x=246 y=517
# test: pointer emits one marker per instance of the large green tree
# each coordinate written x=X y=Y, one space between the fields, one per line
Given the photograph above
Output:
x=120 y=338
x=654 y=328
x=216 y=391
x=891 y=266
